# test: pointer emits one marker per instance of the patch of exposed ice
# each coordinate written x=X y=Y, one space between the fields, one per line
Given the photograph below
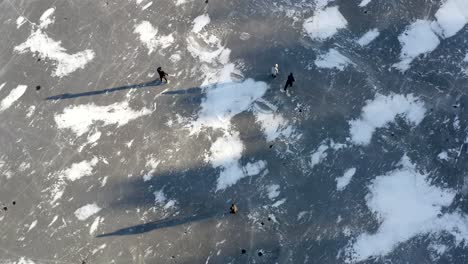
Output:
x=381 y=111
x=332 y=59
x=12 y=97
x=368 y=37
x=407 y=205
x=200 y=22
x=86 y=211
x=149 y=37
x=80 y=118
x=324 y=23
x=343 y=181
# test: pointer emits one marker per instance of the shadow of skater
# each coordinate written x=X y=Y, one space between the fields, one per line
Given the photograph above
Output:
x=105 y=91
x=147 y=227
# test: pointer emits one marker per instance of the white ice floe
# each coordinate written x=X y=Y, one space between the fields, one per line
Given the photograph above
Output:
x=78 y=170
x=407 y=205
x=20 y=21
x=451 y=17
x=255 y=168
x=382 y=110
x=273 y=191
x=368 y=37
x=343 y=181
x=86 y=211
x=149 y=37
x=80 y=118
x=325 y=23
x=364 y=3
x=200 y=22
x=417 y=39
x=12 y=97
x=332 y=59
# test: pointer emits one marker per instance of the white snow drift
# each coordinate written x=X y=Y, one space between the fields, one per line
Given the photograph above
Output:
x=80 y=118
x=86 y=211
x=382 y=110
x=343 y=181
x=12 y=97
x=332 y=59
x=149 y=37
x=407 y=205
x=325 y=23
x=368 y=37
x=200 y=22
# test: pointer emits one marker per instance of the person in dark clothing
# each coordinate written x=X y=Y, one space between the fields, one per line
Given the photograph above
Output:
x=162 y=74
x=289 y=82
x=233 y=209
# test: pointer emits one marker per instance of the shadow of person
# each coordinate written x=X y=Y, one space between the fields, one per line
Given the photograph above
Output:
x=153 y=83
x=147 y=227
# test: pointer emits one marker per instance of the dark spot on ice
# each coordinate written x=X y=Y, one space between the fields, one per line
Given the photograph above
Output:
x=38 y=59
x=300 y=110
x=365 y=11
x=173 y=257
x=262 y=223
x=206 y=1
x=447 y=140
x=243 y=251
x=393 y=134
x=455 y=106
x=5 y=208
x=38 y=88
x=269 y=218
x=260 y=254
x=14 y=202
x=271 y=146
x=432 y=109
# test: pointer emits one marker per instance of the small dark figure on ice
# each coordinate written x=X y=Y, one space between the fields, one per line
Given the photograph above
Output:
x=233 y=209
x=162 y=74
x=289 y=82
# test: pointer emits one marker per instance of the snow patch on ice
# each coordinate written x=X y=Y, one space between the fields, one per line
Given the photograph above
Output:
x=255 y=168
x=79 y=170
x=80 y=118
x=20 y=21
x=147 y=6
x=86 y=211
x=273 y=191
x=368 y=37
x=443 y=156
x=32 y=225
x=12 y=97
x=417 y=39
x=343 y=181
x=324 y=23
x=273 y=124
x=364 y=3
x=318 y=155
x=200 y=22
x=94 y=225
x=149 y=37
x=152 y=164
x=451 y=17
x=381 y=111
x=407 y=205
x=24 y=260
x=332 y=59
x=46 y=19
x=279 y=203
x=161 y=199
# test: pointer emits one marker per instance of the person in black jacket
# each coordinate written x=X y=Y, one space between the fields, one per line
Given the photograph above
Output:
x=162 y=74
x=289 y=82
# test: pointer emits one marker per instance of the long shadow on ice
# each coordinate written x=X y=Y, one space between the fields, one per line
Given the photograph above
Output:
x=105 y=91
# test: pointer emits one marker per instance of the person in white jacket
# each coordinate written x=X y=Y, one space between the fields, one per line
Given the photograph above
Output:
x=274 y=71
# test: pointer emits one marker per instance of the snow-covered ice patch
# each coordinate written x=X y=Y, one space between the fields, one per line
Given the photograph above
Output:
x=149 y=37
x=381 y=111
x=319 y=155
x=94 y=225
x=332 y=59
x=32 y=225
x=255 y=168
x=407 y=205
x=279 y=203
x=86 y=211
x=451 y=17
x=147 y=6
x=417 y=39
x=343 y=181
x=273 y=191
x=152 y=164
x=12 y=97
x=368 y=37
x=24 y=260
x=325 y=23
x=80 y=118
x=46 y=18
x=20 y=21
x=273 y=124
x=161 y=199
x=79 y=170
x=364 y=3
x=200 y=22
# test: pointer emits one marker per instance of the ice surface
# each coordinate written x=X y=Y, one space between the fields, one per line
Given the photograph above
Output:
x=407 y=205
x=325 y=23
x=380 y=111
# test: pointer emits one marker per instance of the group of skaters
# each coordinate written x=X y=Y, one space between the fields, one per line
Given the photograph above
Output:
x=274 y=73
